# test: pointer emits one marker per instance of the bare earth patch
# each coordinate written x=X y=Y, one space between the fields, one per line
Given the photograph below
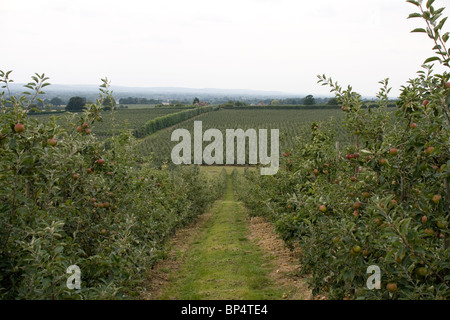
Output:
x=158 y=277
x=285 y=260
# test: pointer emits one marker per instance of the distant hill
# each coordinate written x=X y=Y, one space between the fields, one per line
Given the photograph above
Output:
x=170 y=94
x=121 y=90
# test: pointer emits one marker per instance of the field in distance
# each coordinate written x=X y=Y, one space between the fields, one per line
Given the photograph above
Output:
x=291 y=124
x=131 y=118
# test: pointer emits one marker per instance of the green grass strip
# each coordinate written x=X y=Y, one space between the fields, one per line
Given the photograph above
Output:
x=222 y=263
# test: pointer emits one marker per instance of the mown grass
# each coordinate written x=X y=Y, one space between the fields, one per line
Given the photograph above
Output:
x=222 y=263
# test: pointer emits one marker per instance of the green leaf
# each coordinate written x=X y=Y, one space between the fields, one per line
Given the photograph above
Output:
x=59 y=249
x=438 y=11
x=429 y=3
x=435 y=18
x=441 y=24
x=414 y=15
x=413 y=2
x=405 y=226
x=419 y=30
x=445 y=37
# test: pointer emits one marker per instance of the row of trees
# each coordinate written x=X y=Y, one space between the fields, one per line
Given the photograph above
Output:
x=78 y=103
x=381 y=201
x=309 y=100
x=67 y=200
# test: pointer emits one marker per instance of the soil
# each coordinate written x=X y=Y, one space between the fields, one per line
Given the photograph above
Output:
x=286 y=273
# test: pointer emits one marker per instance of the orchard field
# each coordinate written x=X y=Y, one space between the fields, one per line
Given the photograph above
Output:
x=121 y=119
x=359 y=190
x=291 y=123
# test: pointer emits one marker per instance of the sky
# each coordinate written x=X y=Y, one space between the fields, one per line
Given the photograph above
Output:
x=279 y=45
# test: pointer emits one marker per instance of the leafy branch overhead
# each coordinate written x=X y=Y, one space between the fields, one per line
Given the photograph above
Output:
x=434 y=26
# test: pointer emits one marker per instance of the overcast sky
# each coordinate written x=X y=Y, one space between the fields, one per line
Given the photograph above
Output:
x=235 y=44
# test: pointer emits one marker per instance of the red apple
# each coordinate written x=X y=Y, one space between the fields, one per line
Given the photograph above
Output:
x=51 y=142
x=323 y=208
x=391 y=287
x=429 y=150
x=19 y=128
x=393 y=152
x=425 y=102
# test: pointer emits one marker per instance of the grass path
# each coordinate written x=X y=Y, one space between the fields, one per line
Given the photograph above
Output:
x=221 y=262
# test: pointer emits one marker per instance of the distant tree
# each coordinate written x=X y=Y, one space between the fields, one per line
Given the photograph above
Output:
x=309 y=100
x=56 y=101
x=275 y=102
x=333 y=102
x=240 y=104
x=128 y=100
x=292 y=101
x=109 y=103
x=76 y=104
x=196 y=101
